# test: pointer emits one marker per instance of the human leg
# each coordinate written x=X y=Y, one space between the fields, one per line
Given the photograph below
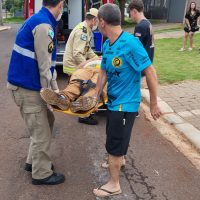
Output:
x=191 y=40
x=34 y=113
x=185 y=37
x=118 y=131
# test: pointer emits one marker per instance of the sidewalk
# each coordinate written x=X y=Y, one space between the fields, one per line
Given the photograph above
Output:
x=180 y=105
x=3 y=28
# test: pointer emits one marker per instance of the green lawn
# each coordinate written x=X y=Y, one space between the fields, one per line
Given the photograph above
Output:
x=172 y=65
x=14 y=20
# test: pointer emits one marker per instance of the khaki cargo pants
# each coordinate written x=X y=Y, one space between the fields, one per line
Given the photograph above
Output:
x=39 y=120
x=72 y=91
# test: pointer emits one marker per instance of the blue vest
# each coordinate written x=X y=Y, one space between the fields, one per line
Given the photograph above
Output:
x=23 y=69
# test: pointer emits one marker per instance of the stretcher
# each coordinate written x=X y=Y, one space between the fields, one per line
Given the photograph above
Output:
x=101 y=107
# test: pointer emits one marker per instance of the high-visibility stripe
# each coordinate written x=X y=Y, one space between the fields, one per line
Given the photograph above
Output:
x=24 y=52
x=53 y=63
x=120 y=107
x=69 y=70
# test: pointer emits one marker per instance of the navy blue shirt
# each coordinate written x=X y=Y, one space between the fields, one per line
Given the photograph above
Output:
x=143 y=30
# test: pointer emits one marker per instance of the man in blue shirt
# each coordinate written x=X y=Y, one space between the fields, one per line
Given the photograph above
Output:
x=124 y=58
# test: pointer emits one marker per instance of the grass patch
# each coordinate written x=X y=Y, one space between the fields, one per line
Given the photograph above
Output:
x=14 y=20
x=174 y=66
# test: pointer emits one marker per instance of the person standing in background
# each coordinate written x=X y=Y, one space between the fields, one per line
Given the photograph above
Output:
x=143 y=29
x=191 y=25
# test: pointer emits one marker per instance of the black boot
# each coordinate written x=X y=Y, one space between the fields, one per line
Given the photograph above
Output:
x=54 y=179
x=88 y=120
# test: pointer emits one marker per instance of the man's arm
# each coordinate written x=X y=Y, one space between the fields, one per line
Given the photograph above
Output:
x=151 y=79
x=102 y=79
x=43 y=44
x=91 y=54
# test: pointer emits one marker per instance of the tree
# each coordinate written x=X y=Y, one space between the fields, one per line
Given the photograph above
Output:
x=1 y=14
x=122 y=8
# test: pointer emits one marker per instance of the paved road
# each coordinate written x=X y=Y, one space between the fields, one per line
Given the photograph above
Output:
x=155 y=169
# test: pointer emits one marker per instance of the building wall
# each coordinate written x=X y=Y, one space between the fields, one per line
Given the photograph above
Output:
x=176 y=11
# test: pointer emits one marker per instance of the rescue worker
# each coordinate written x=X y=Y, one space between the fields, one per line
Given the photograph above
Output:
x=78 y=51
x=32 y=67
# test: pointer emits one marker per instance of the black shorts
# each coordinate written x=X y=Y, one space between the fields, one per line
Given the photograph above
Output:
x=118 y=130
x=193 y=29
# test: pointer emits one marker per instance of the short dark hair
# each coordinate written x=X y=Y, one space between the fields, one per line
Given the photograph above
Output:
x=136 y=4
x=110 y=13
x=51 y=3
x=89 y=17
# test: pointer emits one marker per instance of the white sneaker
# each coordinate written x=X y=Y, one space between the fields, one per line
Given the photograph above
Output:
x=182 y=49
x=190 y=49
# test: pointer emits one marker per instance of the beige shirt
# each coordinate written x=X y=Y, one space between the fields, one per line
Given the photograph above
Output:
x=78 y=48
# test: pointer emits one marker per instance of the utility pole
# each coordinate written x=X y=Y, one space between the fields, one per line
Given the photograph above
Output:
x=1 y=14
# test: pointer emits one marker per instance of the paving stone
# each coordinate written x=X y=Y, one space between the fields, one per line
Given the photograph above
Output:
x=173 y=118
x=185 y=114
x=164 y=107
x=192 y=133
x=145 y=95
x=196 y=112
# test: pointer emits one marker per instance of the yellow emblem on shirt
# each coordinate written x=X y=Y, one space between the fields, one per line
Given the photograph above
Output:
x=50 y=47
x=117 y=62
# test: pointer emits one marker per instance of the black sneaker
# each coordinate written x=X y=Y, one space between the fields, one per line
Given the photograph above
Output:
x=88 y=120
x=28 y=167
x=54 y=179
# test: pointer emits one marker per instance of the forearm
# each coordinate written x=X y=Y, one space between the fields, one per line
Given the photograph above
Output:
x=102 y=79
x=151 y=79
x=187 y=23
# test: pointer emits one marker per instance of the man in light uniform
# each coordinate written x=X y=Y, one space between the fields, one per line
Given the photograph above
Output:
x=78 y=51
x=78 y=48
x=32 y=67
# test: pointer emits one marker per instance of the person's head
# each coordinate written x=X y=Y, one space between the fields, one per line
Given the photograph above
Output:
x=55 y=7
x=109 y=16
x=91 y=18
x=192 y=6
x=136 y=9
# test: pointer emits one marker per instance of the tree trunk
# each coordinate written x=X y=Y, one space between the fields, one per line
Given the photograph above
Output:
x=122 y=7
x=1 y=14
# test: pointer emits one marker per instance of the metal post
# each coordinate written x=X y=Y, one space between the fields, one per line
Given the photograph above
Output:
x=1 y=14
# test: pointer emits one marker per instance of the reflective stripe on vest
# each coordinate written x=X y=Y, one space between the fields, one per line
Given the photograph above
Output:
x=24 y=52
x=53 y=63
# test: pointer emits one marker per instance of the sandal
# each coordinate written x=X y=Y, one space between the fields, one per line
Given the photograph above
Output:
x=106 y=193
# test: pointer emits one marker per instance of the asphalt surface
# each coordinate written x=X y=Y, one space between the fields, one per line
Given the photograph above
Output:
x=155 y=169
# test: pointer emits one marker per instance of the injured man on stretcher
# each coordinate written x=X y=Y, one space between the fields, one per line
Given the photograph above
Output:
x=78 y=94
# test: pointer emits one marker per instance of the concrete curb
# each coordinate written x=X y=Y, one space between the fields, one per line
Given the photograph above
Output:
x=4 y=28
x=187 y=129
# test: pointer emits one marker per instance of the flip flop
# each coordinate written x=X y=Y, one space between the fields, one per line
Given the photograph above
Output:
x=109 y=193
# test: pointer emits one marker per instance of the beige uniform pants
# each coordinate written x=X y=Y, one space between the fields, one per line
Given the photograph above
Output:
x=39 y=120
x=72 y=91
